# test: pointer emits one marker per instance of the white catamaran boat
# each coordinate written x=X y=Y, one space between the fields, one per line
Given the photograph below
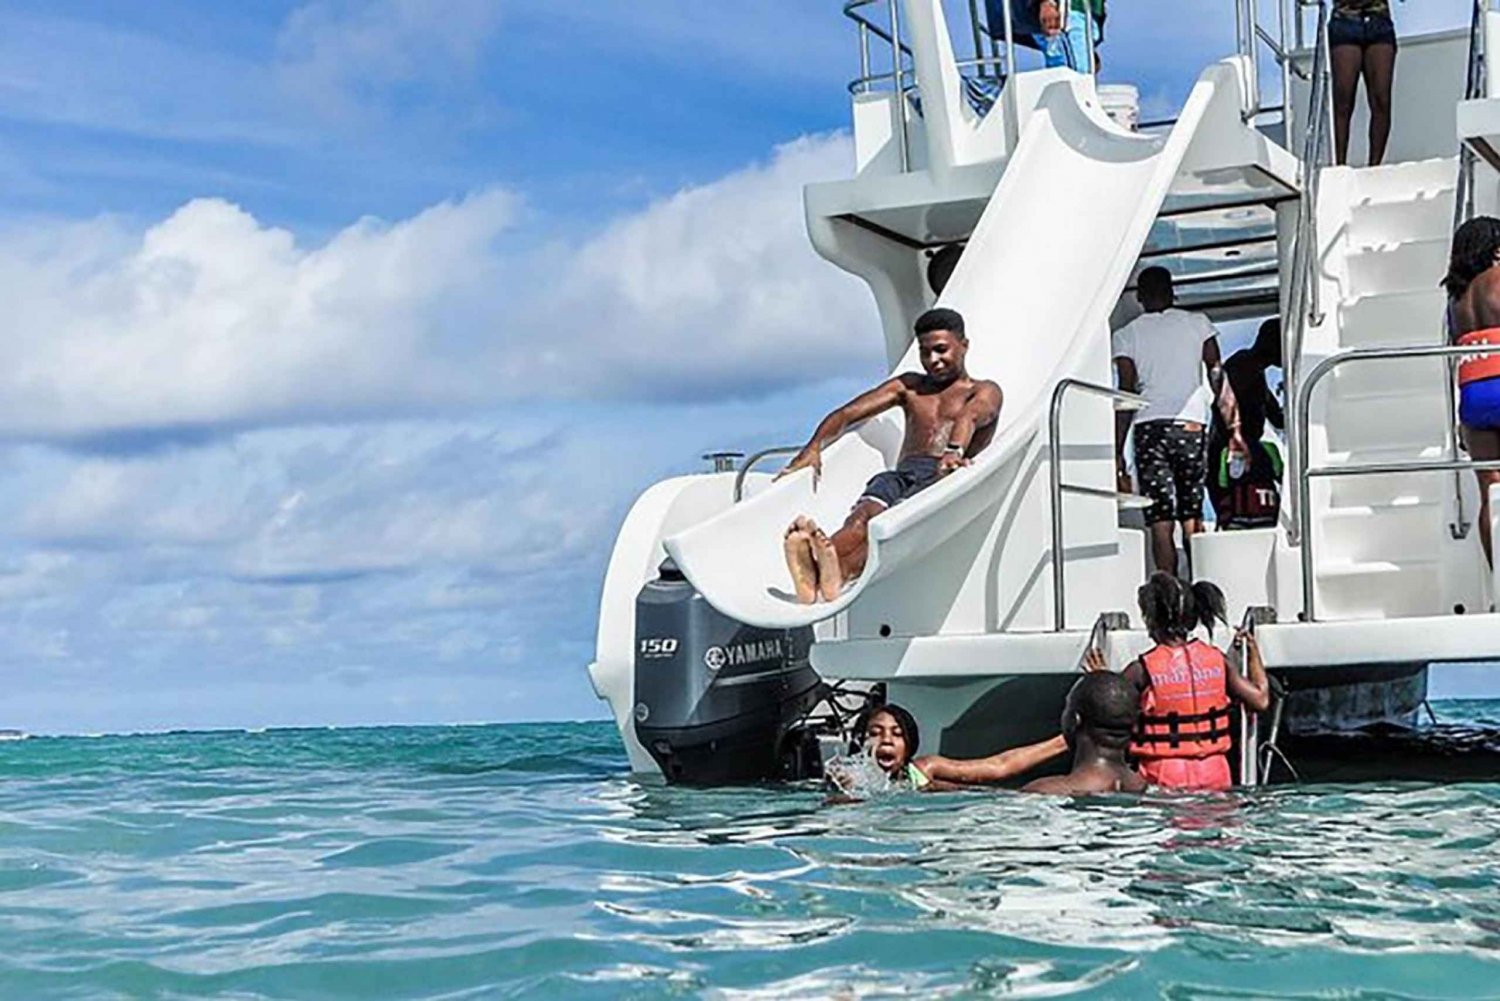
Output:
x=982 y=592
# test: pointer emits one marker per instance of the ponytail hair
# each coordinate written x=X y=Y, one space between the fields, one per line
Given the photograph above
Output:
x=1172 y=609
x=1209 y=605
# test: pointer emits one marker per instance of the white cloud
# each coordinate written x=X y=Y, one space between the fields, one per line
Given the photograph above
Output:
x=715 y=289
x=210 y=319
x=330 y=503
x=410 y=443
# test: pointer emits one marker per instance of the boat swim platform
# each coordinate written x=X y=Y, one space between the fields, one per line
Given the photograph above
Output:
x=1285 y=647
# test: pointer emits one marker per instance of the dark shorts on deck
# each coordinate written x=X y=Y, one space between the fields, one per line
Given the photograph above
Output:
x=1479 y=405
x=1352 y=29
x=912 y=474
x=1171 y=468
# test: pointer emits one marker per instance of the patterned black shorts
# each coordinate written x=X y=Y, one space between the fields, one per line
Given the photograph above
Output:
x=1171 y=466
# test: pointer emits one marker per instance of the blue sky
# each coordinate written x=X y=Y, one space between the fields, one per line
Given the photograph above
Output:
x=340 y=335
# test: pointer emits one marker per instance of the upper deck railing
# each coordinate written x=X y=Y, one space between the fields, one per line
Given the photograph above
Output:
x=885 y=59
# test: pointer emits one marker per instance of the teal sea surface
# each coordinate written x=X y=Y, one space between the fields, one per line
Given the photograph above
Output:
x=523 y=861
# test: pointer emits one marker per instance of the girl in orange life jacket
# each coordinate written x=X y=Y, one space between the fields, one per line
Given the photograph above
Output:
x=1186 y=687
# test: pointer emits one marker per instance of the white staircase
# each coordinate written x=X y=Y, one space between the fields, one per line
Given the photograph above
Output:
x=1382 y=542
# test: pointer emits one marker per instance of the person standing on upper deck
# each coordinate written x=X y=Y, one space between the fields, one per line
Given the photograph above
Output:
x=1067 y=44
x=1362 y=41
x=1163 y=355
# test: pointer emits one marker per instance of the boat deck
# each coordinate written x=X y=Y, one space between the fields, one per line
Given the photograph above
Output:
x=1284 y=647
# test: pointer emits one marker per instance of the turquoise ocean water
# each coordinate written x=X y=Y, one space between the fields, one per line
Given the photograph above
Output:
x=521 y=861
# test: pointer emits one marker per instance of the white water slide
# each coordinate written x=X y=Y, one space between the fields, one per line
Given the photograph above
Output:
x=1042 y=272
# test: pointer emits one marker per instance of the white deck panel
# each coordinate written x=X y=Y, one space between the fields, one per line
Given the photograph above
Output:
x=1285 y=646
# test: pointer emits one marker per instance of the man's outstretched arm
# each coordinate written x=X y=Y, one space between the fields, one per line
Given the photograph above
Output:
x=995 y=768
x=883 y=397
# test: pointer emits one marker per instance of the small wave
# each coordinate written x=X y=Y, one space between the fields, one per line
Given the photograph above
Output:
x=450 y=862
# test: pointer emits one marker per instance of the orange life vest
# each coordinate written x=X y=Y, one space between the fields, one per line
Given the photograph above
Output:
x=1473 y=368
x=1185 y=713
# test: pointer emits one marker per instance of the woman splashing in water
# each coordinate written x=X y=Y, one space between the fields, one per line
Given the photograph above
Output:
x=1187 y=688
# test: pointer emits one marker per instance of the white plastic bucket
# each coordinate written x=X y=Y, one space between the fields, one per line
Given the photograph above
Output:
x=1122 y=103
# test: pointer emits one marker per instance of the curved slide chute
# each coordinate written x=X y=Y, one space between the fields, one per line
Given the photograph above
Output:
x=1042 y=272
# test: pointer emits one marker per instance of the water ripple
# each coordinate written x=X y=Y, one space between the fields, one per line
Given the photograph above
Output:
x=521 y=862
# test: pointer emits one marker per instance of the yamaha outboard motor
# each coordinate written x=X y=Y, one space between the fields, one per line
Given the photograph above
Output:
x=716 y=700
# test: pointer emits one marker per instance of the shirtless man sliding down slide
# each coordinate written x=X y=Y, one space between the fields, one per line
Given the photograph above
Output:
x=949 y=419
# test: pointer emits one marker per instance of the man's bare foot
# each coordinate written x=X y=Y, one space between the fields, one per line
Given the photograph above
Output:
x=801 y=563
x=830 y=574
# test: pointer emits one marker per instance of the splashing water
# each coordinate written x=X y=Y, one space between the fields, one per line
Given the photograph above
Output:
x=859 y=776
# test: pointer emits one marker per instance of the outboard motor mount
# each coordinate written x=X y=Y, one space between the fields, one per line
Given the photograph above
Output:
x=717 y=700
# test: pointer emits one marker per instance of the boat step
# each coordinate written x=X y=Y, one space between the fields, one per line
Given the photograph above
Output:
x=1390 y=531
x=1379 y=588
x=1423 y=215
x=1394 y=378
x=1362 y=423
x=1366 y=456
x=1396 y=488
x=1397 y=181
x=1393 y=319
x=1411 y=266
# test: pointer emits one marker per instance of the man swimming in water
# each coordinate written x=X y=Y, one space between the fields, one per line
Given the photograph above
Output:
x=950 y=418
x=1098 y=720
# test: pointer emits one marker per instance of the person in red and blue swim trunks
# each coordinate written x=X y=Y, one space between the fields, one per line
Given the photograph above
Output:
x=1473 y=286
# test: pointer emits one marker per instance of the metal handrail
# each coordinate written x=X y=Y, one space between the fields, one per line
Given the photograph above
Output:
x=899 y=49
x=1303 y=297
x=1304 y=436
x=851 y=11
x=1123 y=401
x=1249 y=31
x=756 y=459
x=864 y=84
x=1250 y=721
x=1463 y=210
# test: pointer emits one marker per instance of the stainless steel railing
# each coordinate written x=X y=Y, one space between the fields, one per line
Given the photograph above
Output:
x=1282 y=39
x=1250 y=772
x=1122 y=401
x=1475 y=85
x=755 y=460
x=1303 y=436
x=1303 y=297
